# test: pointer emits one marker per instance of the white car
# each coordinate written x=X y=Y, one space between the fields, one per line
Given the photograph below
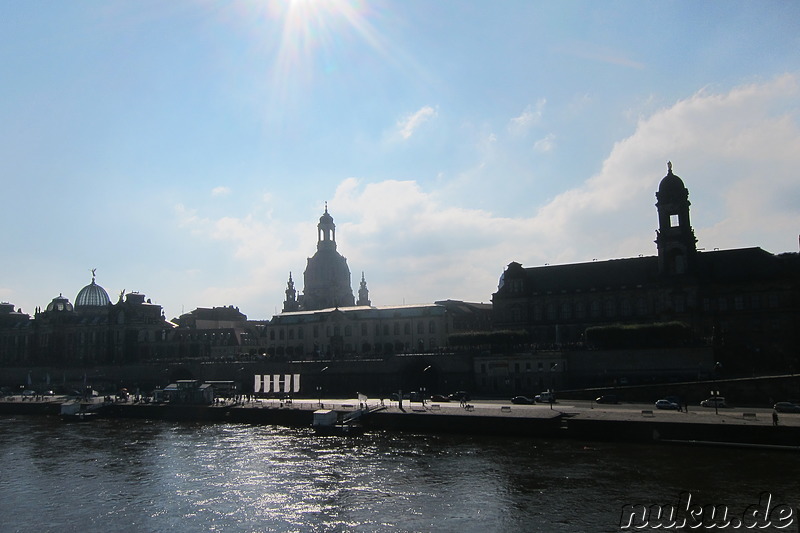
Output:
x=666 y=404
x=714 y=401
x=546 y=397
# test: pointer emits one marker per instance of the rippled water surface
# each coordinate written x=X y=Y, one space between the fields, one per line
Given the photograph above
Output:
x=115 y=475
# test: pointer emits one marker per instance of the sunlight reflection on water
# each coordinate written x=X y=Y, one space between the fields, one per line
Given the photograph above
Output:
x=113 y=475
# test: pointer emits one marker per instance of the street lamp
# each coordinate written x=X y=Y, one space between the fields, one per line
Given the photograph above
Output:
x=422 y=389
x=319 y=387
x=715 y=395
x=552 y=384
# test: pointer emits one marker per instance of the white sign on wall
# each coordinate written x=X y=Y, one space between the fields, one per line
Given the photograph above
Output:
x=277 y=383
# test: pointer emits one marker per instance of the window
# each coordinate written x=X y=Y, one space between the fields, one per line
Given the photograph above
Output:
x=420 y=327
x=431 y=327
x=407 y=328
x=674 y=221
x=348 y=331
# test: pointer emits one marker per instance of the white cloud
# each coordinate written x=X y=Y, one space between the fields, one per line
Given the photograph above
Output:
x=220 y=191
x=545 y=144
x=408 y=125
x=736 y=152
x=529 y=117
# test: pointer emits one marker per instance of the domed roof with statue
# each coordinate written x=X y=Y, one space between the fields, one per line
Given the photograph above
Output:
x=671 y=187
x=92 y=295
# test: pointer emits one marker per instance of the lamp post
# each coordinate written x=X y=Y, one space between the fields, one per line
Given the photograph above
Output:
x=319 y=387
x=423 y=389
x=715 y=395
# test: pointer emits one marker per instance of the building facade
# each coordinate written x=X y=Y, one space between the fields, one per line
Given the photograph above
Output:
x=744 y=302
x=359 y=331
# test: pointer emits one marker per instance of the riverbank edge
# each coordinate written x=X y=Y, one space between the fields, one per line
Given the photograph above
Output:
x=554 y=425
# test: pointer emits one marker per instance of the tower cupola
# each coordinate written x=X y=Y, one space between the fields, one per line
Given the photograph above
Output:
x=675 y=240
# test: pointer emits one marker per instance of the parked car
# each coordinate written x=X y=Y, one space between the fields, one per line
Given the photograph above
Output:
x=439 y=398
x=787 y=407
x=666 y=404
x=608 y=398
x=714 y=401
x=460 y=396
x=522 y=400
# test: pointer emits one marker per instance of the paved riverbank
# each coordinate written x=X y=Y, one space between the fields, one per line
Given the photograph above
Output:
x=563 y=420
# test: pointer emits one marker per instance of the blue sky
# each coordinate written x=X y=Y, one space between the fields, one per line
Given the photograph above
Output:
x=185 y=149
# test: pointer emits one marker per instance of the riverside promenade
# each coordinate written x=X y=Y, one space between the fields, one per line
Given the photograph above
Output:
x=564 y=419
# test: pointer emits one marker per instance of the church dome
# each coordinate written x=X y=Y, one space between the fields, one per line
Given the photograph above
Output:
x=671 y=187
x=59 y=303
x=92 y=295
x=326 y=218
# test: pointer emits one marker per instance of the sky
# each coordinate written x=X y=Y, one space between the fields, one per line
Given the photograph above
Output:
x=186 y=149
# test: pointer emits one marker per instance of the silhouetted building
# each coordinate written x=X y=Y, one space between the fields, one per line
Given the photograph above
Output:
x=15 y=334
x=93 y=331
x=326 y=278
x=746 y=302
x=213 y=334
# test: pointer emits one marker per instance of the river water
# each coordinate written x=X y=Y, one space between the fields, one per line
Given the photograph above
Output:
x=123 y=475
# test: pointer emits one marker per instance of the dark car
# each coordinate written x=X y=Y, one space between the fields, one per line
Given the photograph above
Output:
x=787 y=407
x=607 y=398
x=460 y=396
x=439 y=398
x=522 y=400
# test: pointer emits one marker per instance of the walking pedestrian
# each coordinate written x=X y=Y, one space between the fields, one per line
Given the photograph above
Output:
x=775 y=417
